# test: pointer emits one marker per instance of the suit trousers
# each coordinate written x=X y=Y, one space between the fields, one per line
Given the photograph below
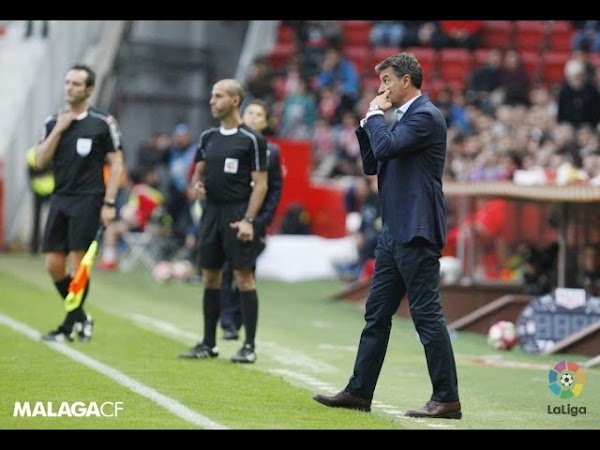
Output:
x=411 y=269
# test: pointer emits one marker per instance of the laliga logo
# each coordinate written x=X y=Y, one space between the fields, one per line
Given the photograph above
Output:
x=566 y=380
x=67 y=409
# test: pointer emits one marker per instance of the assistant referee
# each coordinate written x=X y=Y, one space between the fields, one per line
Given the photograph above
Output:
x=78 y=141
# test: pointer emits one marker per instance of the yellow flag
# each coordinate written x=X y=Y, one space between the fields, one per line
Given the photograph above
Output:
x=82 y=276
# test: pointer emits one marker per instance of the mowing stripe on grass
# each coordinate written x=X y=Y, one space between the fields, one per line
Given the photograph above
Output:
x=288 y=357
x=279 y=353
x=168 y=403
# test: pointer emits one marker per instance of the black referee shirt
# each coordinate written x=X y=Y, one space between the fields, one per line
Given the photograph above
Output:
x=231 y=156
x=80 y=154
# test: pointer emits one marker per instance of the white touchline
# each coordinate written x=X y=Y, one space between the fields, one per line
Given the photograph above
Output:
x=168 y=403
x=289 y=358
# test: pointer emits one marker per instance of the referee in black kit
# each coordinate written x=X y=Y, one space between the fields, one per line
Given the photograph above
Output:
x=231 y=175
x=78 y=142
x=256 y=116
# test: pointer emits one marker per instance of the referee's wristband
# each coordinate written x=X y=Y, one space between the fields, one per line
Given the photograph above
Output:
x=249 y=219
x=109 y=203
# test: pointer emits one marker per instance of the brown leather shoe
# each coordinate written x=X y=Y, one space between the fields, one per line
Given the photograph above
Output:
x=344 y=399
x=437 y=410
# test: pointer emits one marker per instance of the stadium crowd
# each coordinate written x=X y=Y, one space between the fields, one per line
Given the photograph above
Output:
x=502 y=121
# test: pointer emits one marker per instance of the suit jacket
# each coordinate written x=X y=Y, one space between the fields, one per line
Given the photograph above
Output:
x=409 y=159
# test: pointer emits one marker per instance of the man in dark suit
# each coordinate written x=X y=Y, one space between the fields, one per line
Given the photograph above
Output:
x=408 y=158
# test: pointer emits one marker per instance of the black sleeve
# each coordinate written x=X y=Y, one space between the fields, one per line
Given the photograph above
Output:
x=275 y=185
x=200 y=155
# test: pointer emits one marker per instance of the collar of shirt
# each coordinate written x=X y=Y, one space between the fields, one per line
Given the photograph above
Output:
x=402 y=110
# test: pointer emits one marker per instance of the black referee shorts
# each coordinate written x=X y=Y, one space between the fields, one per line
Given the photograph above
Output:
x=218 y=242
x=72 y=223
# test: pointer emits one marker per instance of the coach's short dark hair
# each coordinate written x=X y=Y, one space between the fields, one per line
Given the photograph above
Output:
x=402 y=64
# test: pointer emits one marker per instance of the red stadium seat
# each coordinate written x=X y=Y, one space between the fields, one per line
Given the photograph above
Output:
x=553 y=67
x=360 y=55
x=531 y=62
x=480 y=56
x=285 y=34
x=454 y=64
x=560 y=35
x=357 y=32
x=280 y=55
x=434 y=86
x=279 y=87
x=530 y=35
x=378 y=54
x=497 y=34
x=371 y=82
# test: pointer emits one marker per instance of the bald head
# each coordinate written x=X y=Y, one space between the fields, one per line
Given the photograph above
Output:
x=233 y=87
x=225 y=100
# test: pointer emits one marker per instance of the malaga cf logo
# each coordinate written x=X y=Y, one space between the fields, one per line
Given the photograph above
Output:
x=566 y=379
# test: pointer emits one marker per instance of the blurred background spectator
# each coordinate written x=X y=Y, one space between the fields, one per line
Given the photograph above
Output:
x=462 y=33
x=578 y=97
x=587 y=33
x=387 y=33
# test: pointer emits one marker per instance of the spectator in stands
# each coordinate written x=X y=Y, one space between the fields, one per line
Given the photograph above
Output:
x=484 y=80
x=369 y=226
x=592 y=166
x=588 y=141
x=387 y=33
x=356 y=194
x=347 y=148
x=323 y=143
x=591 y=269
x=322 y=33
x=587 y=33
x=515 y=81
x=565 y=142
x=462 y=33
x=578 y=98
x=329 y=104
x=144 y=200
x=153 y=153
x=368 y=92
x=259 y=80
x=339 y=72
x=483 y=229
x=41 y=182
x=452 y=105
x=585 y=56
x=293 y=74
x=544 y=102
x=177 y=203
x=423 y=33
x=298 y=111
x=312 y=37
